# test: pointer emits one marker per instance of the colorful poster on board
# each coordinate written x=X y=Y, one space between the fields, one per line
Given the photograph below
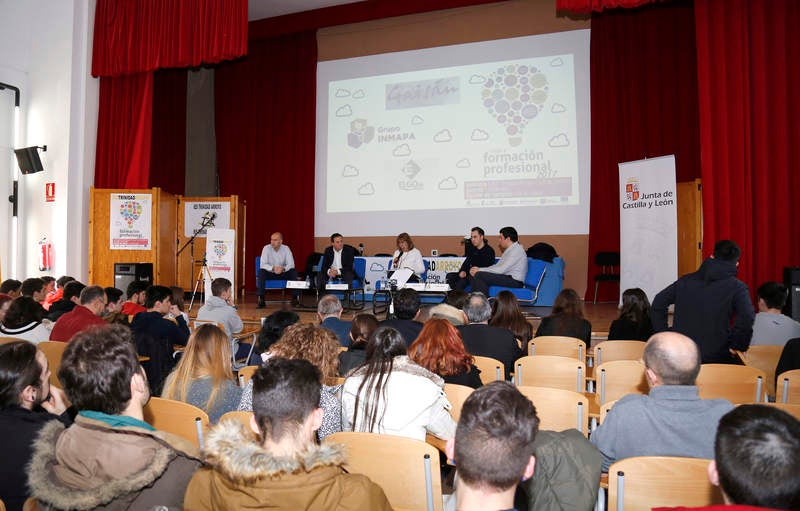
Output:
x=130 y=221
x=220 y=257
x=211 y=213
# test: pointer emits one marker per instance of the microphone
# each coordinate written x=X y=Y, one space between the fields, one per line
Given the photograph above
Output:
x=213 y=216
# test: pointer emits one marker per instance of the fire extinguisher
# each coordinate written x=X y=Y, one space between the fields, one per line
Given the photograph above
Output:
x=45 y=255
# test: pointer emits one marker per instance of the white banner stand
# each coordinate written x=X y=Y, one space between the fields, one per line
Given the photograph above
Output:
x=220 y=257
x=648 y=225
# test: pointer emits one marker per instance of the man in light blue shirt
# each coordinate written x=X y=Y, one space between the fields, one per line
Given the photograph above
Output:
x=509 y=271
x=277 y=263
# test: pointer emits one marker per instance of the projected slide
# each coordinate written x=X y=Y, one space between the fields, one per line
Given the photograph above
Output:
x=495 y=125
x=495 y=134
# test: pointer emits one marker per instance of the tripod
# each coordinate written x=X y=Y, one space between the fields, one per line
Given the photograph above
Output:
x=204 y=272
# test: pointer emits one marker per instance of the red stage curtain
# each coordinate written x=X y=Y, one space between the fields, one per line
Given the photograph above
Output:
x=123 y=132
x=587 y=6
x=168 y=152
x=644 y=104
x=133 y=36
x=748 y=54
x=265 y=123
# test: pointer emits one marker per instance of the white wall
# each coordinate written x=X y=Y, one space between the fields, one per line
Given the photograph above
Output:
x=45 y=49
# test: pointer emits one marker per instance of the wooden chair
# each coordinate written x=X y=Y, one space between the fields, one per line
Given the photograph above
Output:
x=406 y=469
x=491 y=369
x=30 y=504
x=788 y=387
x=737 y=384
x=557 y=345
x=793 y=410
x=619 y=378
x=642 y=483
x=178 y=418
x=608 y=351
x=238 y=415
x=764 y=357
x=245 y=374
x=456 y=394
x=2 y=504
x=53 y=351
x=559 y=409
x=6 y=340
x=550 y=371
x=604 y=409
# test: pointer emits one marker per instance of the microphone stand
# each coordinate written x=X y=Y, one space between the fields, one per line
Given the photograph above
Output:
x=207 y=220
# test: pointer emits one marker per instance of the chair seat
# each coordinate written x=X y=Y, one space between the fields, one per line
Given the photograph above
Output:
x=522 y=293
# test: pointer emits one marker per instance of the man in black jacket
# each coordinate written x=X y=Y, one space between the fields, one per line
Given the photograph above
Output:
x=705 y=302
x=337 y=262
x=27 y=402
x=482 y=255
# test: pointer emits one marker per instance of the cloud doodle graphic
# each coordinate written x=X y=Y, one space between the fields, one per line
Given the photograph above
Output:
x=376 y=267
x=349 y=171
x=344 y=111
x=513 y=95
x=477 y=79
x=559 y=140
x=402 y=150
x=558 y=108
x=463 y=163
x=479 y=135
x=556 y=62
x=417 y=120
x=443 y=136
x=342 y=93
x=448 y=183
x=366 y=189
x=359 y=94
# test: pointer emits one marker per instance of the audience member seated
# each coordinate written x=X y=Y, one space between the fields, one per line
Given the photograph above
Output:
x=481 y=256
x=218 y=308
x=456 y=317
x=177 y=300
x=109 y=458
x=492 y=447
x=277 y=263
x=509 y=271
x=115 y=298
x=68 y=301
x=483 y=340
x=360 y=331
x=155 y=335
x=456 y=298
x=5 y=303
x=566 y=318
x=770 y=325
x=338 y=263
x=440 y=350
x=320 y=347
x=671 y=420
x=281 y=467
x=25 y=320
x=11 y=287
x=329 y=311
x=273 y=327
x=756 y=460
x=633 y=323
x=58 y=294
x=393 y=395
x=27 y=403
x=406 y=256
x=203 y=376
x=135 y=292
x=790 y=358
x=87 y=313
x=406 y=310
x=35 y=288
x=507 y=314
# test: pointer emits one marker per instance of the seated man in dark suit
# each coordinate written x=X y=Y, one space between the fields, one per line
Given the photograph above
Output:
x=337 y=262
x=329 y=310
x=488 y=341
x=481 y=256
x=406 y=308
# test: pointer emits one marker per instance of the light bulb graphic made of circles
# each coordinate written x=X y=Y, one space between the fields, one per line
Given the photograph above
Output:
x=514 y=95
x=130 y=212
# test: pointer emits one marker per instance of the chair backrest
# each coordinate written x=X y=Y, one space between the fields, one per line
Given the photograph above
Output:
x=456 y=394
x=607 y=260
x=737 y=384
x=2 y=505
x=550 y=371
x=53 y=351
x=6 y=340
x=788 y=387
x=559 y=409
x=608 y=351
x=793 y=410
x=31 y=504
x=604 y=409
x=764 y=357
x=239 y=416
x=360 y=268
x=535 y=273
x=491 y=369
x=411 y=479
x=558 y=345
x=619 y=378
x=178 y=418
x=245 y=374
x=644 y=482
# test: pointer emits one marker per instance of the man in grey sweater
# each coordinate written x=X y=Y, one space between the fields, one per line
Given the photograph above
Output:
x=671 y=420
x=218 y=308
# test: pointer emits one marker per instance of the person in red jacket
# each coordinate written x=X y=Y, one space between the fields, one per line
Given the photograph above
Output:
x=89 y=312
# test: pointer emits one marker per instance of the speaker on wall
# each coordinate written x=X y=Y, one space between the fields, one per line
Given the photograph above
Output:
x=28 y=159
x=791 y=279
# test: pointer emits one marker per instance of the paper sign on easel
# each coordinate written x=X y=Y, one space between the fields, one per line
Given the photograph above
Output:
x=220 y=257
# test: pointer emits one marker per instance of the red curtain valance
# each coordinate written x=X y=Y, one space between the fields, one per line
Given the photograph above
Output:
x=135 y=36
x=587 y=6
